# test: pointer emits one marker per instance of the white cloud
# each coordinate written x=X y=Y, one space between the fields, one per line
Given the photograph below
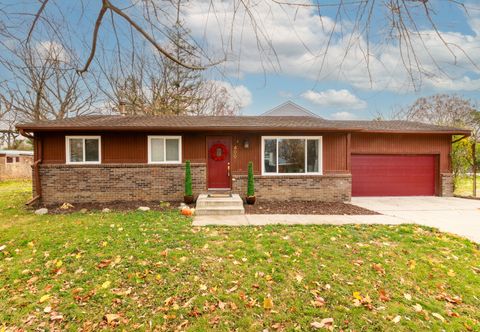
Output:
x=340 y=99
x=343 y=116
x=239 y=94
x=298 y=37
x=52 y=50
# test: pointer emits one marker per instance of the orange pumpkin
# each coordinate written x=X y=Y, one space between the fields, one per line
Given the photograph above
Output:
x=186 y=211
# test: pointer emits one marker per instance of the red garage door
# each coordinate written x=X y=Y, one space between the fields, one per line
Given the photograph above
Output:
x=393 y=175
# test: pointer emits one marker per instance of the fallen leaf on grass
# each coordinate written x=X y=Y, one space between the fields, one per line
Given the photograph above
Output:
x=44 y=298
x=110 y=318
x=318 y=302
x=407 y=296
x=360 y=300
x=451 y=273
x=438 y=316
x=231 y=290
x=411 y=264
x=324 y=323
x=379 y=268
x=452 y=314
x=417 y=307
x=267 y=303
x=455 y=299
x=383 y=296
x=104 y=263
x=56 y=317
x=357 y=296
x=106 y=284
x=396 y=319
x=358 y=262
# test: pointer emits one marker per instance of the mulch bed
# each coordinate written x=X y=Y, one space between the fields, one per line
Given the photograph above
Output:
x=305 y=207
x=114 y=206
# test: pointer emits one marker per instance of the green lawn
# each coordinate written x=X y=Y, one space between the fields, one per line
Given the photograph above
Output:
x=153 y=271
x=464 y=186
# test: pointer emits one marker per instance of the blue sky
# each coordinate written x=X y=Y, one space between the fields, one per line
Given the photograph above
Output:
x=336 y=94
x=259 y=81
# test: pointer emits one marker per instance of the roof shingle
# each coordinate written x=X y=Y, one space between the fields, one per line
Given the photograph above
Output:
x=220 y=123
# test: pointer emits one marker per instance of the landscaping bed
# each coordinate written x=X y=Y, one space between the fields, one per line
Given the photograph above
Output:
x=305 y=207
x=114 y=206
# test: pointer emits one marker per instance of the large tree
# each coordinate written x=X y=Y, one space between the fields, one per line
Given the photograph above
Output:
x=455 y=111
x=409 y=26
x=42 y=85
x=143 y=83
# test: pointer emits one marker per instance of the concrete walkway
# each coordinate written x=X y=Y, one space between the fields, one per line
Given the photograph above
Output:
x=454 y=215
x=292 y=219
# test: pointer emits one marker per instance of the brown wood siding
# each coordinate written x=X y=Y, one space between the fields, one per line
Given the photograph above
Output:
x=132 y=148
x=119 y=148
x=335 y=153
x=404 y=144
x=53 y=148
x=241 y=156
x=193 y=147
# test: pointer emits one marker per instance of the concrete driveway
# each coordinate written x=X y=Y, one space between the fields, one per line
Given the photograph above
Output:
x=455 y=215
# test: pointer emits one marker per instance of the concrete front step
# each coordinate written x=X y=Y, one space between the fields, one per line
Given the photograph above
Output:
x=222 y=210
x=219 y=205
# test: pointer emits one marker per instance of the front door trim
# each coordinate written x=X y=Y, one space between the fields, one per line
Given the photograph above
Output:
x=228 y=160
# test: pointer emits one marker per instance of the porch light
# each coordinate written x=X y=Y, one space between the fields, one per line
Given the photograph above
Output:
x=246 y=144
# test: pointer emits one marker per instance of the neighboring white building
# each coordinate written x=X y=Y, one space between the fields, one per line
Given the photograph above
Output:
x=15 y=164
x=289 y=108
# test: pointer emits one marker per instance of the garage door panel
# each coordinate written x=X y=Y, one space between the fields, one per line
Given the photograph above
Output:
x=393 y=175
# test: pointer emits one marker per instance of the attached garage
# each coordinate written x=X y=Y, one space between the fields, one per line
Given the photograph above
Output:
x=394 y=175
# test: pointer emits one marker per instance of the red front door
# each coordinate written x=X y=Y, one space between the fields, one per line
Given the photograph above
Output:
x=218 y=150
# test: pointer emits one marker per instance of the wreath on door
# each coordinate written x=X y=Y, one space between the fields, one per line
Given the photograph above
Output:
x=215 y=149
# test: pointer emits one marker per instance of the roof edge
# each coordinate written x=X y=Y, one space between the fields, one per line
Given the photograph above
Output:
x=25 y=127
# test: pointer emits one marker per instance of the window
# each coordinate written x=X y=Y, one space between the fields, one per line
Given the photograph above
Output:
x=17 y=159
x=83 y=149
x=164 y=149
x=291 y=155
x=9 y=160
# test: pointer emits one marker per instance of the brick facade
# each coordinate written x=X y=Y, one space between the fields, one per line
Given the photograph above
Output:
x=117 y=182
x=327 y=188
x=446 y=184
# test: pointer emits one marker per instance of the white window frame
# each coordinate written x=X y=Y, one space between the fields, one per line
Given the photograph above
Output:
x=150 y=161
x=306 y=138
x=67 y=146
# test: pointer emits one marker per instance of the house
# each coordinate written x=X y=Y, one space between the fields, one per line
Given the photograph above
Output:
x=289 y=108
x=15 y=164
x=141 y=158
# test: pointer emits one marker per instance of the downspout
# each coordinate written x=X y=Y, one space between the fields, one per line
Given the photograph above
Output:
x=36 y=168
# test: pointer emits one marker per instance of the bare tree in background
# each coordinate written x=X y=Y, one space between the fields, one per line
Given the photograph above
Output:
x=147 y=84
x=8 y=134
x=43 y=86
x=402 y=23
x=455 y=111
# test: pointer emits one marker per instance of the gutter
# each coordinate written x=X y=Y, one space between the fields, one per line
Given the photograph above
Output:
x=36 y=168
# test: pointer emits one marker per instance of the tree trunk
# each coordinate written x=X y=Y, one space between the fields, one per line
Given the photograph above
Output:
x=474 y=168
